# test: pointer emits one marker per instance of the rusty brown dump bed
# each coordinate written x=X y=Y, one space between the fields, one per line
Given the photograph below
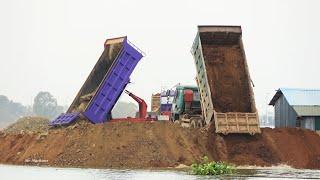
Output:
x=224 y=81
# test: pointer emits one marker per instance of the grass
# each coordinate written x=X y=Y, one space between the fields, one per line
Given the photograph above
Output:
x=204 y=167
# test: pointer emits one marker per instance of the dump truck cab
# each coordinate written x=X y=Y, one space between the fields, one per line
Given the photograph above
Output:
x=186 y=104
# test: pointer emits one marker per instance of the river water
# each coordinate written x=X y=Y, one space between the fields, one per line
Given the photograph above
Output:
x=9 y=172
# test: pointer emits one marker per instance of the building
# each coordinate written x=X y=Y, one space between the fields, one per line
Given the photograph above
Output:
x=297 y=108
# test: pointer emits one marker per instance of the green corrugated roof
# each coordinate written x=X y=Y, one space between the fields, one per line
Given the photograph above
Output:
x=307 y=110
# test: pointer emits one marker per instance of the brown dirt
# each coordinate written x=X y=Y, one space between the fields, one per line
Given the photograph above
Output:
x=157 y=144
x=112 y=145
x=299 y=148
x=228 y=81
x=29 y=124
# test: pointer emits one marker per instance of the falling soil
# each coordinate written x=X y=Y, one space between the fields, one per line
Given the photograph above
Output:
x=157 y=144
x=228 y=80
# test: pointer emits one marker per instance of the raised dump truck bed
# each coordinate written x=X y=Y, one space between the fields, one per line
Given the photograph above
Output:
x=104 y=84
x=224 y=81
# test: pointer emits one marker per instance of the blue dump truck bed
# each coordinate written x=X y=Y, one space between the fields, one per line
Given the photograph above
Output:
x=104 y=84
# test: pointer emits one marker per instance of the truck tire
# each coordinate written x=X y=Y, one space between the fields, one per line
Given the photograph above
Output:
x=200 y=124
x=193 y=123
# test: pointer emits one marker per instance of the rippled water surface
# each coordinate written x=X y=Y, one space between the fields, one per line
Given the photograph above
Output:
x=46 y=173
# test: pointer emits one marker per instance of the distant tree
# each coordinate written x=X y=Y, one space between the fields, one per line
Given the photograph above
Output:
x=4 y=101
x=17 y=109
x=10 y=111
x=46 y=105
x=11 y=107
x=124 y=109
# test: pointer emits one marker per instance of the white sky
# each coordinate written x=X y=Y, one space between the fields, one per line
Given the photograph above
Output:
x=53 y=45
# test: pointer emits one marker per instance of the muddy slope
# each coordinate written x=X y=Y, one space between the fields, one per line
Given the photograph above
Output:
x=158 y=144
x=299 y=148
x=118 y=145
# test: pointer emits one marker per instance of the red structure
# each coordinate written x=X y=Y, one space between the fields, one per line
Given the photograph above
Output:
x=142 y=110
x=142 y=104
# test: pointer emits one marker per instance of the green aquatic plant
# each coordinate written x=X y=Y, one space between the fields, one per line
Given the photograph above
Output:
x=205 y=167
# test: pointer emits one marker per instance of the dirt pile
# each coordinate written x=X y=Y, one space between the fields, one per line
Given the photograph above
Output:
x=228 y=81
x=110 y=145
x=299 y=148
x=29 y=124
x=157 y=144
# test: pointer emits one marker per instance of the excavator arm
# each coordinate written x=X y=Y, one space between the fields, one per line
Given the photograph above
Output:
x=142 y=104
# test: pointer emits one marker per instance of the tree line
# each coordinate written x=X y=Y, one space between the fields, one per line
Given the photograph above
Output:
x=44 y=104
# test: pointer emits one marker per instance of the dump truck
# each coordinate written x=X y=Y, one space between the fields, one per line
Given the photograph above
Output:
x=166 y=98
x=105 y=83
x=186 y=109
x=223 y=79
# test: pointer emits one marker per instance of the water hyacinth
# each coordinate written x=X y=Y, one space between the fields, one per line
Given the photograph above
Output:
x=212 y=168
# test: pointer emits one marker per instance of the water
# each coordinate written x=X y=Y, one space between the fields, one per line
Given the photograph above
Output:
x=8 y=172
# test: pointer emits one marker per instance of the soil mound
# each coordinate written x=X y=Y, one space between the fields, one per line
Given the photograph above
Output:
x=108 y=145
x=299 y=148
x=157 y=144
x=29 y=124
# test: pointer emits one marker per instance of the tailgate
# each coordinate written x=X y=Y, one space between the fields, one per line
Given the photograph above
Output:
x=64 y=119
x=236 y=122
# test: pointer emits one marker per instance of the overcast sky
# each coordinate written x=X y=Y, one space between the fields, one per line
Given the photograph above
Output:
x=53 y=45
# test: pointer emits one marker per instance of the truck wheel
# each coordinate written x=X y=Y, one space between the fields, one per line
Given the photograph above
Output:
x=200 y=124
x=193 y=123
